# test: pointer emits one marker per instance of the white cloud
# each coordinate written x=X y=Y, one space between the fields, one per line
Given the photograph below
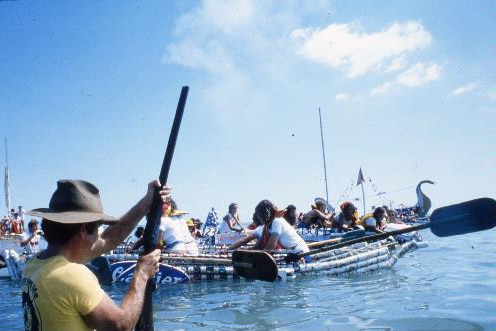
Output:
x=348 y=47
x=382 y=89
x=418 y=74
x=396 y=65
x=463 y=89
x=342 y=97
x=243 y=56
x=242 y=60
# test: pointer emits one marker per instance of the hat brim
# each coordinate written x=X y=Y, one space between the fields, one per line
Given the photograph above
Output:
x=72 y=217
x=178 y=213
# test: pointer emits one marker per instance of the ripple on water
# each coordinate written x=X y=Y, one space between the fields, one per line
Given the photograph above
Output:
x=423 y=324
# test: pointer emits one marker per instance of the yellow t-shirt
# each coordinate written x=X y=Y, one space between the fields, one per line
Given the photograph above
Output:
x=56 y=293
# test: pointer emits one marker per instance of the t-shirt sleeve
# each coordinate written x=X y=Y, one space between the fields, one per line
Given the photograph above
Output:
x=87 y=291
x=371 y=222
x=258 y=232
x=277 y=227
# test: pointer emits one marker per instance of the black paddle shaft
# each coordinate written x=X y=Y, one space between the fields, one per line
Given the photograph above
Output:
x=150 y=237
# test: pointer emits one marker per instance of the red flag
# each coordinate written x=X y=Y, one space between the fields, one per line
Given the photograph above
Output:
x=360 y=179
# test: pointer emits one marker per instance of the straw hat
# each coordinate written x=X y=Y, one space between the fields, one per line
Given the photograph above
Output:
x=74 y=201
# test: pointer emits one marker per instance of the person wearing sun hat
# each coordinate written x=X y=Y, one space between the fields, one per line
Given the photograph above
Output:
x=58 y=291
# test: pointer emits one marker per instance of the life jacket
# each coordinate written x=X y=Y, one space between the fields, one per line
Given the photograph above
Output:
x=361 y=221
x=16 y=226
x=252 y=226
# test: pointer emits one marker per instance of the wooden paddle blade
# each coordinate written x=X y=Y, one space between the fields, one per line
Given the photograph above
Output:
x=466 y=217
x=255 y=265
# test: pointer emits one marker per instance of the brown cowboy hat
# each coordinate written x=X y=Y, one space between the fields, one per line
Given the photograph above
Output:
x=74 y=201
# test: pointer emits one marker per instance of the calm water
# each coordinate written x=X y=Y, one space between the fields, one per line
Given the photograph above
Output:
x=448 y=286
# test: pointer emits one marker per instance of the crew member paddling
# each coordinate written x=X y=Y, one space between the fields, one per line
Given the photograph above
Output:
x=58 y=291
x=274 y=231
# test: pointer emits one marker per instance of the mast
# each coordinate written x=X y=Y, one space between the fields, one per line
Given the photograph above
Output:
x=363 y=198
x=6 y=179
x=323 y=157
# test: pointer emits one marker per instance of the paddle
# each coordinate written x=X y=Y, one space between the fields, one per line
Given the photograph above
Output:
x=196 y=260
x=150 y=237
x=466 y=217
x=254 y=264
x=346 y=237
x=323 y=242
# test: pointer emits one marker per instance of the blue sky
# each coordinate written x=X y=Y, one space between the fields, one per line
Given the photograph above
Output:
x=88 y=91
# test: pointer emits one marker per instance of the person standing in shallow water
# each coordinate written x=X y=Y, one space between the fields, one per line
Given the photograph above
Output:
x=58 y=291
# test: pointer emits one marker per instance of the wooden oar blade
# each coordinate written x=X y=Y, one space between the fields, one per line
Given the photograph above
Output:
x=466 y=217
x=255 y=265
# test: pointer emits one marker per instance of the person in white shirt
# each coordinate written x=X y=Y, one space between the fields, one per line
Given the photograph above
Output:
x=274 y=231
x=231 y=222
x=174 y=232
x=31 y=239
x=377 y=222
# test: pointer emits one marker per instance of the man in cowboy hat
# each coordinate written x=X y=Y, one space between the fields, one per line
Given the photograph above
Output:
x=58 y=291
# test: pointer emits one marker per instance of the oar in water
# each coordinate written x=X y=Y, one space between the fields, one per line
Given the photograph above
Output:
x=466 y=217
x=150 y=237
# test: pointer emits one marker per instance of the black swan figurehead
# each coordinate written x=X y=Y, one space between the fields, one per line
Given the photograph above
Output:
x=423 y=201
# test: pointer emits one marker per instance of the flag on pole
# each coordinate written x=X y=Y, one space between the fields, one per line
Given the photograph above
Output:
x=7 y=188
x=360 y=179
x=211 y=223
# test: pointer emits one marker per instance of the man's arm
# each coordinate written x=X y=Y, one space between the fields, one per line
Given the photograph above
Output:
x=108 y=316
x=272 y=242
x=115 y=234
x=231 y=221
x=241 y=242
x=26 y=240
x=237 y=219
